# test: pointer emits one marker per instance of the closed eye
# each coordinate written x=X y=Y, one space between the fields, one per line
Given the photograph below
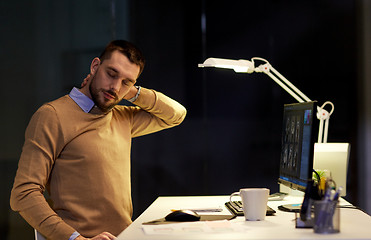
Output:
x=111 y=73
x=128 y=82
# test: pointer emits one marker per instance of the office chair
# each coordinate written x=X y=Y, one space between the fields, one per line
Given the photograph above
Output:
x=38 y=236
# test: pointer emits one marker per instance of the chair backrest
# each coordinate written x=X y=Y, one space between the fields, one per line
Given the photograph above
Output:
x=38 y=236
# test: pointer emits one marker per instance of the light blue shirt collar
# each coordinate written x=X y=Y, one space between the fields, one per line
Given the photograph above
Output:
x=84 y=102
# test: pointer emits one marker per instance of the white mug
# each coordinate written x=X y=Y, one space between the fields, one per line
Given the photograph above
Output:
x=254 y=202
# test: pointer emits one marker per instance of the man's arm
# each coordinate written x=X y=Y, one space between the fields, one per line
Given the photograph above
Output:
x=157 y=103
x=155 y=111
x=42 y=145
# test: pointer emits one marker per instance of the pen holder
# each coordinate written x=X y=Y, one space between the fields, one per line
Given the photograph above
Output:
x=326 y=217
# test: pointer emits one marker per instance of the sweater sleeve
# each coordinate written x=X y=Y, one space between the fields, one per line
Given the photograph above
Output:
x=155 y=112
x=42 y=145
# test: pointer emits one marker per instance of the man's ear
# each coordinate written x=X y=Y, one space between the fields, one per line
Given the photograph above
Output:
x=94 y=65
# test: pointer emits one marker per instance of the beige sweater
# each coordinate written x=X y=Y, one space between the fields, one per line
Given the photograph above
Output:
x=83 y=160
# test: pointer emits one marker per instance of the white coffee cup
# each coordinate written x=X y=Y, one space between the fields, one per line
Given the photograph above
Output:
x=254 y=202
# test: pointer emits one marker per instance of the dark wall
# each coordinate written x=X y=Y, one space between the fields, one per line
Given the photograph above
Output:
x=233 y=119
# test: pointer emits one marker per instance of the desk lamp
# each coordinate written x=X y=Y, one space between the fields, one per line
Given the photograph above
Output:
x=245 y=66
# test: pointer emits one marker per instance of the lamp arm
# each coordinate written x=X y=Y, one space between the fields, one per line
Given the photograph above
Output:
x=322 y=114
x=320 y=130
x=326 y=130
x=324 y=118
x=289 y=87
x=293 y=94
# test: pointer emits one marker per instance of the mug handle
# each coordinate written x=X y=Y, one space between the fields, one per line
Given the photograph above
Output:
x=232 y=195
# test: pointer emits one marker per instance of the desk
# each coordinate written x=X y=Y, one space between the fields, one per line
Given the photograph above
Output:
x=354 y=224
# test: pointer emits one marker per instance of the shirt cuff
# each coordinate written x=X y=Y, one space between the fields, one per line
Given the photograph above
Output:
x=74 y=235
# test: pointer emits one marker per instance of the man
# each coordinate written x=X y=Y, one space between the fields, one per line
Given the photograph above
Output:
x=78 y=149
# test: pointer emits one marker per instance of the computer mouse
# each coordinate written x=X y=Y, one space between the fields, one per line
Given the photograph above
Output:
x=182 y=216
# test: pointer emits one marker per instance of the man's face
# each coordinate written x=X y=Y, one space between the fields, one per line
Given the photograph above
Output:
x=111 y=80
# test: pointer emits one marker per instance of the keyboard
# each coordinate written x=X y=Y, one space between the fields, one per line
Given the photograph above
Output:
x=235 y=207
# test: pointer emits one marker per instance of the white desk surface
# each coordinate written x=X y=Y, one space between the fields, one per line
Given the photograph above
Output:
x=354 y=224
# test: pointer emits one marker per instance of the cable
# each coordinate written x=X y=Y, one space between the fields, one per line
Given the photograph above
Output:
x=318 y=177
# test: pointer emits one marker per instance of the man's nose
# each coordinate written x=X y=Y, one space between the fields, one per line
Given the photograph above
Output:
x=115 y=85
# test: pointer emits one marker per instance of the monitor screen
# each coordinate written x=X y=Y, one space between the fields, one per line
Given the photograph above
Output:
x=299 y=125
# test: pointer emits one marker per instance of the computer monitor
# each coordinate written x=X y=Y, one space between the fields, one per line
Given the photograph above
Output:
x=298 y=138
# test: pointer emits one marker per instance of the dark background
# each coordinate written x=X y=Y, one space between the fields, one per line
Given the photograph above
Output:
x=321 y=46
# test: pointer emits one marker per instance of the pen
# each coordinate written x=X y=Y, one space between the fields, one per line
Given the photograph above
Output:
x=337 y=194
x=327 y=196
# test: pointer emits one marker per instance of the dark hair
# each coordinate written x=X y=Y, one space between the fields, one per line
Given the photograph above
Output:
x=128 y=49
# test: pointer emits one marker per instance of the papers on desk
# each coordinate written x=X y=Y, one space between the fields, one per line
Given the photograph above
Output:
x=223 y=226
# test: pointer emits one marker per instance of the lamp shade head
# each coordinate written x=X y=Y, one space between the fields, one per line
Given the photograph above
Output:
x=240 y=66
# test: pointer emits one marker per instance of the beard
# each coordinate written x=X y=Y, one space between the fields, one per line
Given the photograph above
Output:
x=98 y=97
